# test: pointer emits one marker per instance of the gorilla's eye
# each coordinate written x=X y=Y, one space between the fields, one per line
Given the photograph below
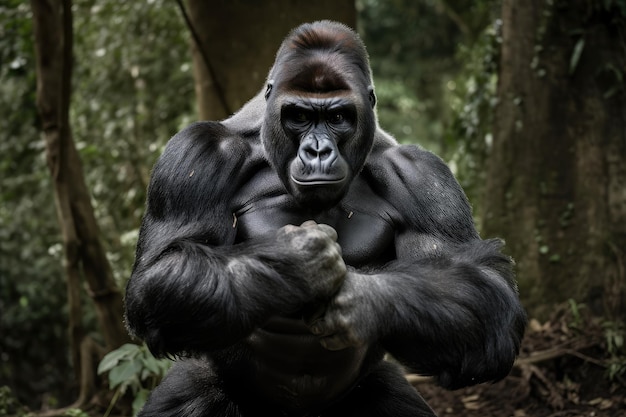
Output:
x=300 y=116
x=336 y=118
x=297 y=115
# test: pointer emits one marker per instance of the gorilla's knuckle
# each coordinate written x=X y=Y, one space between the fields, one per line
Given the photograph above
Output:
x=288 y=229
x=329 y=231
x=309 y=223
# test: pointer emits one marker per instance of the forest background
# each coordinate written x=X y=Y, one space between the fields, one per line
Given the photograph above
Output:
x=525 y=100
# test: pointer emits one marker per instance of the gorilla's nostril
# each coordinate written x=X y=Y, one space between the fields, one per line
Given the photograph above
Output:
x=311 y=153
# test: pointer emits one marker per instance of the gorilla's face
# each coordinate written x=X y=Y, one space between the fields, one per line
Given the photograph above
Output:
x=319 y=124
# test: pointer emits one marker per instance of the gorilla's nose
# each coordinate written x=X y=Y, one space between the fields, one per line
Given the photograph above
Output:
x=318 y=153
x=317 y=149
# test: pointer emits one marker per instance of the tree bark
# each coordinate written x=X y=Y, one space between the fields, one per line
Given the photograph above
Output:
x=84 y=254
x=556 y=186
x=240 y=39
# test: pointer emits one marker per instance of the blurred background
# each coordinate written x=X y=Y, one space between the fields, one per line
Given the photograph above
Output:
x=526 y=101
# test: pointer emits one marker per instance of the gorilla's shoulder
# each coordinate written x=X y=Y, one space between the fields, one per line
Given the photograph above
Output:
x=213 y=142
x=415 y=180
x=407 y=162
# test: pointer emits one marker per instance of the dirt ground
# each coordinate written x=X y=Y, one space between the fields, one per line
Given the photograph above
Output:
x=561 y=372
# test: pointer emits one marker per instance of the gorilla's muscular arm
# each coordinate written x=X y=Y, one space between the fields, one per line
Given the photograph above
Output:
x=448 y=305
x=192 y=290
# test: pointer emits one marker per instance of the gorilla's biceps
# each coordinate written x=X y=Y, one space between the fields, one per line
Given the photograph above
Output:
x=411 y=245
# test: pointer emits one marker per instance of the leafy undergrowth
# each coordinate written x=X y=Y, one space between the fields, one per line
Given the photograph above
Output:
x=572 y=365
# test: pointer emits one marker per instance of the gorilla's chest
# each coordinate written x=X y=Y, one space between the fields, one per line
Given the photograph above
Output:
x=362 y=221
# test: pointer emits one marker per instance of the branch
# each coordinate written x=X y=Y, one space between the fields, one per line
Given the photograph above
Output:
x=67 y=26
x=549 y=354
x=454 y=16
x=533 y=358
x=205 y=58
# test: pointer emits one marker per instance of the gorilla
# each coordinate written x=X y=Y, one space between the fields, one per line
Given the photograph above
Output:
x=287 y=251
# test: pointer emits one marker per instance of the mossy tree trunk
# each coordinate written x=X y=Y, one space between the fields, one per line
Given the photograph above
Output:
x=85 y=257
x=556 y=184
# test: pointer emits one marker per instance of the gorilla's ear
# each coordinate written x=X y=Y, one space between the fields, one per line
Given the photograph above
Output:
x=372 y=96
x=270 y=84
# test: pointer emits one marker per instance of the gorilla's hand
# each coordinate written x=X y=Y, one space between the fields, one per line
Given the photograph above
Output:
x=355 y=316
x=316 y=265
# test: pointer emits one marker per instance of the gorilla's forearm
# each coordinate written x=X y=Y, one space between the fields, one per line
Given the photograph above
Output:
x=220 y=294
x=196 y=298
x=456 y=317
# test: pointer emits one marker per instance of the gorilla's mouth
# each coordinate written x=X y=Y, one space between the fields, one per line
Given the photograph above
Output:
x=311 y=182
x=318 y=193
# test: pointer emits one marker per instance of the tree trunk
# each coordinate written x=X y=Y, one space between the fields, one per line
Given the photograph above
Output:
x=239 y=40
x=84 y=254
x=556 y=185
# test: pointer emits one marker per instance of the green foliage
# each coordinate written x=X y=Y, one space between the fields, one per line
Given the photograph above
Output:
x=132 y=89
x=10 y=406
x=472 y=97
x=618 y=6
x=577 y=318
x=32 y=294
x=74 y=412
x=615 y=333
x=414 y=45
x=133 y=367
x=402 y=113
x=578 y=50
x=435 y=69
x=614 y=339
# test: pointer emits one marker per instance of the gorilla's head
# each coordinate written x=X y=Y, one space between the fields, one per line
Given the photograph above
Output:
x=319 y=123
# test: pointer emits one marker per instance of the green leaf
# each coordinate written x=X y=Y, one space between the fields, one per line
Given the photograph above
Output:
x=140 y=400
x=555 y=258
x=124 y=373
x=578 y=50
x=111 y=359
x=151 y=364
